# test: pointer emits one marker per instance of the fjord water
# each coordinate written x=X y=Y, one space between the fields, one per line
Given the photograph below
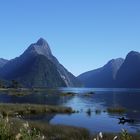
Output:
x=96 y=121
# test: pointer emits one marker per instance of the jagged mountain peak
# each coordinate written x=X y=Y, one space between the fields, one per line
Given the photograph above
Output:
x=133 y=53
x=133 y=56
x=41 y=47
x=115 y=61
x=41 y=42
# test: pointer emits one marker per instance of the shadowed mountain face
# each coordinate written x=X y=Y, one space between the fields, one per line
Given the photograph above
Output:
x=38 y=67
x=102 y=77
x=2 y=81
x=129 y=73
x=2 y=62
x=42 y=48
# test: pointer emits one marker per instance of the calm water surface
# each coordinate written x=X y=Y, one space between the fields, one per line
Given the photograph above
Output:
x=101 y=100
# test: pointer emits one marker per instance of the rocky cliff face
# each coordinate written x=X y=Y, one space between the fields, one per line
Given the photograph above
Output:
x=38 y=67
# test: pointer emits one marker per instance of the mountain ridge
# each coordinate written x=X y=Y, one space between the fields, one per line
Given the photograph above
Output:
x=102 y=77
x=121 y=74
x=14 y=69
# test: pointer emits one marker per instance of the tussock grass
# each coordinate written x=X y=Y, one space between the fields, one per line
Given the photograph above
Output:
x=61 y=132
x=124 y=135
x=19 y=94
x=117 y=110
x=16 y=129
x=50 y=132
x=88 y=94
x=25 y=109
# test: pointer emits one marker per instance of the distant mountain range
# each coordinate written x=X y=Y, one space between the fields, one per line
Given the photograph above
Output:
x=116 y=73
x=104 y=76
x=37 y=67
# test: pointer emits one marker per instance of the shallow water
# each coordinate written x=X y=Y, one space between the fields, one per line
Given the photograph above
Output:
x=101 y=100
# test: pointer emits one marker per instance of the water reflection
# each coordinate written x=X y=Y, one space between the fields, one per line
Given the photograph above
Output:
x=97 y=119
x=48 y=97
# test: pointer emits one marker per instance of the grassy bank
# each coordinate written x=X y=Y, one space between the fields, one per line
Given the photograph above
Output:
x=123 y=135
x=25 y=109
x=15 y=129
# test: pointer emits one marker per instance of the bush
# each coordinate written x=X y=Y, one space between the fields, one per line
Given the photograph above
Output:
x=25 y=131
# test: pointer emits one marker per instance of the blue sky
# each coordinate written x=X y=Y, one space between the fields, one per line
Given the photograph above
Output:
x=83 y=34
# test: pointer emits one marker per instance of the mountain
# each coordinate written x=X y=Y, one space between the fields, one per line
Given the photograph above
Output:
x=102 y=77
x=38 y=67
x=128 y=75
x=2 y=62
x=3 y=82
x=42 y=48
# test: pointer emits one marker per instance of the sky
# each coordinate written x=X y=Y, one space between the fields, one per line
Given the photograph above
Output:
x=82 y=34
